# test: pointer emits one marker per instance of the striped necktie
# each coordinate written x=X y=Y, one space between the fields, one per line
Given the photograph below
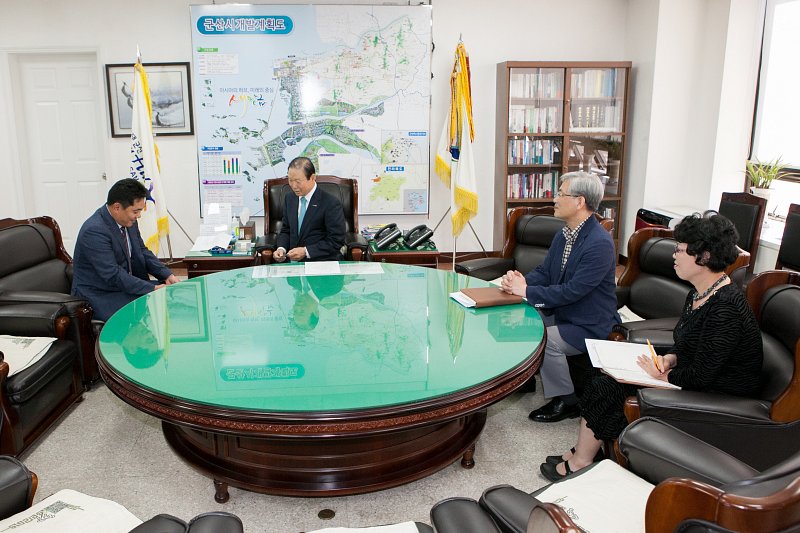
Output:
x=127 y=247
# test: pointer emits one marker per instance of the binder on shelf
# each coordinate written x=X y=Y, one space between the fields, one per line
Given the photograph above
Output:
x=485 y=297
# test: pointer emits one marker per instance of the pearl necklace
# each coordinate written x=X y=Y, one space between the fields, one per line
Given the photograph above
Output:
x=711 y=289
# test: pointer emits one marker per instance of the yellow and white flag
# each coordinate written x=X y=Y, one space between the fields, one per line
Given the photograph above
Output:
x=454 y=161
x=145 y=167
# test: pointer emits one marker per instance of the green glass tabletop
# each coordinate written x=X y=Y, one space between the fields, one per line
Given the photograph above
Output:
x=316 y=343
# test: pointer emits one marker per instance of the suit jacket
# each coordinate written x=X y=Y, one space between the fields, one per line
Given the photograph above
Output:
x=323 y=228
x=100 y=265
x=582 y=298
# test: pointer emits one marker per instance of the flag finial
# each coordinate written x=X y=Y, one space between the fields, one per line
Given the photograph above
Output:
x=138 y=55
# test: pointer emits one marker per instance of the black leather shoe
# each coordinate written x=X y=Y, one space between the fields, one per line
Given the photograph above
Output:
x=555 y=459
x=549 y=471
x=555 y=410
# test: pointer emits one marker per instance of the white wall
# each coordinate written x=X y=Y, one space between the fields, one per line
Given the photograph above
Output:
x=681 y=49
x=492 y=32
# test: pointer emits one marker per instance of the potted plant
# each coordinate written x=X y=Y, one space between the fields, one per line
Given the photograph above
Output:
x=761 y=174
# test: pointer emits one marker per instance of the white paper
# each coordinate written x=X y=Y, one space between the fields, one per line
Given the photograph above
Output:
x=605 y=498
x=69 y=511
x=405 y=527
x=205 y=242
x=363 y=267
x=463 y=299
x=618 y=359
x=276 y=271
x=218 y=215
x=627 y=315
x=23 y=352
x=322 y=268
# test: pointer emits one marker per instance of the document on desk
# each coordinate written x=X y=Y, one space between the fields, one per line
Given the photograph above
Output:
x=206 y=242
x=618 y=360
x=360 y=268
x=289 y=270
x=322 y=268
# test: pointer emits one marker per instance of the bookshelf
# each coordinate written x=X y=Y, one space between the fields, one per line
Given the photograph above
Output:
x=554 y=118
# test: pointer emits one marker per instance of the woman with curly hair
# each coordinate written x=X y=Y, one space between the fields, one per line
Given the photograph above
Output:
x=717 y=342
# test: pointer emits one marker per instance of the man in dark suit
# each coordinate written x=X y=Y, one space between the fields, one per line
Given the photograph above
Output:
x=574 y=289
x=313 y=226
x=112 y=265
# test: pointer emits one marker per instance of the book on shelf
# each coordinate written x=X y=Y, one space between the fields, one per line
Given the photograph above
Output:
x=485 y=297
x=618 y=360
x=532 y=185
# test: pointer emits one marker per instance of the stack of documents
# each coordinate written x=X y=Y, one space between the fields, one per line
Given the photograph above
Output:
x=618 y=360
x=22 y=352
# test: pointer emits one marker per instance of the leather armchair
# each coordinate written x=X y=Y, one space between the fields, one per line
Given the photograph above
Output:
x=650 y=288
x=746 y=211
x=699 y=488
x=33 y=399
x=37 y=269
x=529 y=233
x=345 y=189
x=759 y=431
x=789 y=252
x=17 y=486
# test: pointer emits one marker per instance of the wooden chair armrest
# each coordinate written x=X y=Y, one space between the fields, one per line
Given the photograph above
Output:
x=787 y=407
x=631 y=409
x=550 y=518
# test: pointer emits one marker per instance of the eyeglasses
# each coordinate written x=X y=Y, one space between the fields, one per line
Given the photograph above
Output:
x=560 y=194
x=679 y=250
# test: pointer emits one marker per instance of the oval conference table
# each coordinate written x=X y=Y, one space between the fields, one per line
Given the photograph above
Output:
x=319 y=385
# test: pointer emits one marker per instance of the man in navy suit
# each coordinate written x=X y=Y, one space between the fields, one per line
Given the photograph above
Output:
x=574 y=289
x=112 y=265
x=313 y=226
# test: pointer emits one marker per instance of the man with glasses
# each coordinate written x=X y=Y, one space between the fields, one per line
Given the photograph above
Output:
x=574 y=289
x=313 y=226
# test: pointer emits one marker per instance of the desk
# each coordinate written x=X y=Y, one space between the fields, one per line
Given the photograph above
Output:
x=321 y=385
x=202 y=263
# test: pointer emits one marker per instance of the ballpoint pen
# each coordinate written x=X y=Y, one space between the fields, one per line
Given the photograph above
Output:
x=653 y=353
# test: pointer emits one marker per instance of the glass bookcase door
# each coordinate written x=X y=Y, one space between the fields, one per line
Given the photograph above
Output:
x=534 y=166
x=599 y=155
x=536 y=100
x=597 y=100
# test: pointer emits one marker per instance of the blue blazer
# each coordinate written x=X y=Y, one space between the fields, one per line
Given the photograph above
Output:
x=100 y=265
x=323 y=228
x=583 y=298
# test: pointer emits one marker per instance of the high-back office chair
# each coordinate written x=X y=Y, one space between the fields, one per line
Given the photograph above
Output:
x=746 y=211
x=37 y=269
x=529 y=233
x=345 y=189
x=650 y=288
x=759 y=431
x=699 y=489
x=789 y=251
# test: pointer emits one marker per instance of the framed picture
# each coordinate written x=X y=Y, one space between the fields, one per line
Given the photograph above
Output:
x=186 y=305
x=170 y=94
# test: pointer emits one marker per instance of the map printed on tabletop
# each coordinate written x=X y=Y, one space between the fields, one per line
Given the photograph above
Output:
x=346 y=86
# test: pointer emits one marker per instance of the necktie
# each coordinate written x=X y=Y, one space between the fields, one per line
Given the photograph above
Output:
x=127 y=248
x=302 y=214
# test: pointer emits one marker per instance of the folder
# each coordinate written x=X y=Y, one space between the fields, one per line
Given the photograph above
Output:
x=618 y=360
x=485 y=297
